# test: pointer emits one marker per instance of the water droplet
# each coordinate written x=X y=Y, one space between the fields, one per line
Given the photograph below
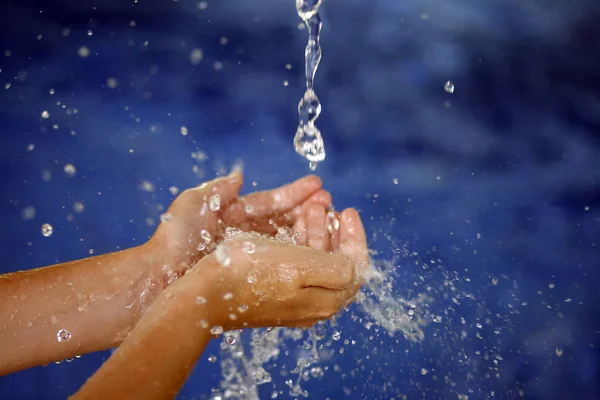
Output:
x=112 y=83
x=28 y=213
x=174 y=190
x=551 y=285
x=333 y=224
x=395 y=180
x=222 y=255
x=316 y=372
x=312 y=166
x=166 y=217
x=45 y=114
x=424 y=371
x=83 y=52
x=261 y=376
x=243 y=308
x=227 y=296
x=63 y=335
x=78 y=207
x=51 y=91
x=336 y=335
x=205 y=235
x=230 y=340
x=248 y=208
x=47 y=230
x=183 y=130
x=196 y=56
x=216 y=330
x=309 y=143
x=203 y=324
x=559 y=351
x=251 y=277
x=200 y=300
x=449 y=87
x=212 y=358
x=215 y=203
x=248 y=247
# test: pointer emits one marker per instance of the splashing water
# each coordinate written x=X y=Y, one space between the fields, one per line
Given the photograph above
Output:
x=247 y=360
x=308 y=141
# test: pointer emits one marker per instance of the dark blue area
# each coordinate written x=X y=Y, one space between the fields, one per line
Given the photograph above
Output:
x=498 y=183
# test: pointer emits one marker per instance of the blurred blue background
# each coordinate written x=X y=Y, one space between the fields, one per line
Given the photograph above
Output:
x=498 y=182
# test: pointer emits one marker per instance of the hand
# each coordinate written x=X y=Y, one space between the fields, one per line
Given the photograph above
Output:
x=270 y=283
x=198 y=216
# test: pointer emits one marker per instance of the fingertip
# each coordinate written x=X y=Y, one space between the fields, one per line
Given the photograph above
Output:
x=322 y=197
x=311 y=182
x=353 y=240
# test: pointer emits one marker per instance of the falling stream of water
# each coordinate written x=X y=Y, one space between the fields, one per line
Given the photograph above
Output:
x=308 y=141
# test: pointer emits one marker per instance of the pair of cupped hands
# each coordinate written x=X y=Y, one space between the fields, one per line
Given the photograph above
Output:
x=263 y=282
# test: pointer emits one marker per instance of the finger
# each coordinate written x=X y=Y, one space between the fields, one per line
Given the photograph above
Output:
x=283 y=199
x=227 y=188
x=301 y=231
x=329 y=271
x=322 y=197
x=353 y=240
x=318 y=237
x=325 y=303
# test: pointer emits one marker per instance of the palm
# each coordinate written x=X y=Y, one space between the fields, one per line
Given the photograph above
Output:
x=199 y=215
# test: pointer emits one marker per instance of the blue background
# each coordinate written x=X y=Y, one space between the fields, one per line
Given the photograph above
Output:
x=497 y=182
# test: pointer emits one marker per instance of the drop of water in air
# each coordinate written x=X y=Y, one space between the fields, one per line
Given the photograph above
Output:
x=212 y=358
x=47 y=230
x=449 y=87
x=200 y=300
x=230 y=340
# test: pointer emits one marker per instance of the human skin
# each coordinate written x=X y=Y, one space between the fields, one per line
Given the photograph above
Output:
x=99 y=300
x=294 y=286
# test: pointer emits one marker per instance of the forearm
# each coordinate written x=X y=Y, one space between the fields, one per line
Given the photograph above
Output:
x=96 y=300
x=157 y=357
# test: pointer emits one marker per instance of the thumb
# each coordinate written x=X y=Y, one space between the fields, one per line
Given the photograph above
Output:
x=227 y=188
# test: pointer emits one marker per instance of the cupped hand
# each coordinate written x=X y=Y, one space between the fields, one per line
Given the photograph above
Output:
x=270 y=283
x=196 y=220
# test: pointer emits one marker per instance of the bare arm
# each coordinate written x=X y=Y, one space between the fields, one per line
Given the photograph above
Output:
x=293 y=286
x=49 y=314
x=159 y=354
x=97 y=301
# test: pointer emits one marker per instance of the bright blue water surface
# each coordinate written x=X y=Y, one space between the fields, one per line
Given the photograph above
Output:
x=499 y=181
